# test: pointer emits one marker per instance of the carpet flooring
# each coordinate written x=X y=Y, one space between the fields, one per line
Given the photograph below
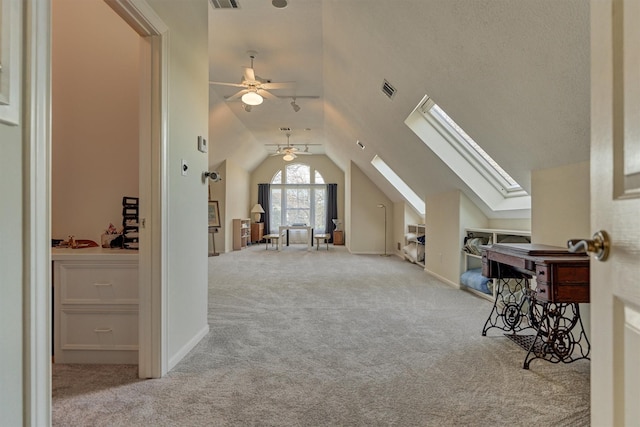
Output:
x=327 y=338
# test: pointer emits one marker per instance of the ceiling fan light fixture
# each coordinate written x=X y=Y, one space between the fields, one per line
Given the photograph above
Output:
x=252 y=98
x=288 y=157
x=247 y=107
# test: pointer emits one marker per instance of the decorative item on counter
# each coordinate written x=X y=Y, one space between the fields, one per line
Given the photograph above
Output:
x=130 y=236
x=74 y=243
x=110 y=234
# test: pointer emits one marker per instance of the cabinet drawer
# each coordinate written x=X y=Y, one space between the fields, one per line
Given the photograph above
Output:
x=115 y=283
x=87 y=329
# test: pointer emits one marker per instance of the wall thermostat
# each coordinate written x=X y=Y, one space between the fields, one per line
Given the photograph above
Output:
x=202 y=144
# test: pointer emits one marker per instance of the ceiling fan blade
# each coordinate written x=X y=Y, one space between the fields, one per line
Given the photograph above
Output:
x=237 y=95
x=283 y=85
x=249 y=74
x=266 y=94
x=227 y=84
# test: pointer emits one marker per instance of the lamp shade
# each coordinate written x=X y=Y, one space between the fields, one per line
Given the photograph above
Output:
x=252 y=98
x=257 y=208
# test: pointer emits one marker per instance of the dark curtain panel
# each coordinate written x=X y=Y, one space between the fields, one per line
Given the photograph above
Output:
x=264 y=198
x=332 y=208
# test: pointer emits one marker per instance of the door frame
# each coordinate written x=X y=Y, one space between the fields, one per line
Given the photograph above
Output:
x=152 y=328
x=36 y=206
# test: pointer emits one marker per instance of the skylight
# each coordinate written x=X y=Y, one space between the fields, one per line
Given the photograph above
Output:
x=393 y=178
x=462 y=137
x=482 y=174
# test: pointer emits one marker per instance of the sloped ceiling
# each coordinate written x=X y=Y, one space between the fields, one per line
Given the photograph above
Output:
x=513 y=74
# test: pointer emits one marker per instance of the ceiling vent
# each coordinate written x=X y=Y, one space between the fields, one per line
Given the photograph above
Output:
x=388 y=90
x=225 y=4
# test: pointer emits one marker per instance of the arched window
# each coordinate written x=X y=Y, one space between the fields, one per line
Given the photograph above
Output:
x=298 y=196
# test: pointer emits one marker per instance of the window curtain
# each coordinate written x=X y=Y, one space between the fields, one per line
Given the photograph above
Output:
x=332 y=208
x=264 y=199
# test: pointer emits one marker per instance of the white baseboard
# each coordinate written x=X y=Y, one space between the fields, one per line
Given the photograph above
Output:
x=176 y=358
x=443 y=279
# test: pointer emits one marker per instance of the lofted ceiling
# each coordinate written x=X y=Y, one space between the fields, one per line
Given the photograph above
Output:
x=513 y=74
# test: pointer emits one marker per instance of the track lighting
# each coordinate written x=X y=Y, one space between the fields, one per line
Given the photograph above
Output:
x=247 y=107
x=295 y=106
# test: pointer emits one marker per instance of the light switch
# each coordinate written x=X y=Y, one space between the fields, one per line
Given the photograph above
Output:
x=202 y=144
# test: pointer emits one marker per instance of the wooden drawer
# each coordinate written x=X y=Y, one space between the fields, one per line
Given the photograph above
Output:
x=113 y=283
x=88 y=329
x=571 y=283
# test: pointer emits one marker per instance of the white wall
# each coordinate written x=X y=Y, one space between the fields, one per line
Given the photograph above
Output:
x=95 y=105
x=188 y=101
x=367 y=220
x=442 y=248
x=11 y=277
x=236 y=181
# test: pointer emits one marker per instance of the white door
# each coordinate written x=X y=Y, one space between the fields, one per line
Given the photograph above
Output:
x=615 y=207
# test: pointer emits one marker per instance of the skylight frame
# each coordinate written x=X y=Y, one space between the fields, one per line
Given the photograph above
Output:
x=471 y=150
x=398 y=183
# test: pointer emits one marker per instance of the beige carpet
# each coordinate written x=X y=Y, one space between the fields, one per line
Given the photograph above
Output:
x=331 y=339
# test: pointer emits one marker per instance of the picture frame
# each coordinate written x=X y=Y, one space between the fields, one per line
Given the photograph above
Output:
x=214 y=214
x=10 y=57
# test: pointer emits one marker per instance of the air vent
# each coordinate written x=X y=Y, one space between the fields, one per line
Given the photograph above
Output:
x=283 y=129
x=388 y=90
x=225 y=4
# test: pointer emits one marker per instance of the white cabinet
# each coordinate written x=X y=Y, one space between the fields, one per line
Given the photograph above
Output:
x=95 y=306
x=414 y=244
x=471 y=278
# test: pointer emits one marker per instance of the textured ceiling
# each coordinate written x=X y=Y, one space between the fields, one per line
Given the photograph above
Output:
x=513 y=74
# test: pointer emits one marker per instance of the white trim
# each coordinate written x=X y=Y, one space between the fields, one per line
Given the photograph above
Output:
x=10 y=61
x=442 y=279
x=435 y=139
x=190 y=345
x=153 y=264
x=37 y=263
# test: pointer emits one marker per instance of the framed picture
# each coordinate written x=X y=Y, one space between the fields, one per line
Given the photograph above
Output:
x=10 y=33
x=214 y=214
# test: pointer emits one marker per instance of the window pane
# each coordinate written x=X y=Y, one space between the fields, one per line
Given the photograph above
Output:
x=298 y=209
x=298 y=174
x=319 y=178
x=277 y=178
x=320 y=217
x=275 y=213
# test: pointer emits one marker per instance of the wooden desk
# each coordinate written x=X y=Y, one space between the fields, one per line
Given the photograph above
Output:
x=550 y=310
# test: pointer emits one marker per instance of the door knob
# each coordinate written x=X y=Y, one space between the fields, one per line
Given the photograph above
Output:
x=599 y=245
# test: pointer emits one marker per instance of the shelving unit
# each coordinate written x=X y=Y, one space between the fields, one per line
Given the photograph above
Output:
x=241 y=233
x=413 y=249
x=472 y=257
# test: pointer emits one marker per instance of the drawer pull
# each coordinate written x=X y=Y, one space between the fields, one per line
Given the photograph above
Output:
x=541 y=290
x=103 y=284
x=103 y=330
x=541 y=273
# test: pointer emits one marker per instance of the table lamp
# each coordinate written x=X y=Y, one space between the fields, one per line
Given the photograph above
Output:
x=257 y=211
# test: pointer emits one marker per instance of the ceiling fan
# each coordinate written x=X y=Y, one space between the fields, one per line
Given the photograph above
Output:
x=255 y=88
x=290 y=152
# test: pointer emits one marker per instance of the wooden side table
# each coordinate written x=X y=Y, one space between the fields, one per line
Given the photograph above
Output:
x=257 y=231
x=338 y=237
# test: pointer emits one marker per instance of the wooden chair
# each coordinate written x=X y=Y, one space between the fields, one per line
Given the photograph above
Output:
x=324 y=237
